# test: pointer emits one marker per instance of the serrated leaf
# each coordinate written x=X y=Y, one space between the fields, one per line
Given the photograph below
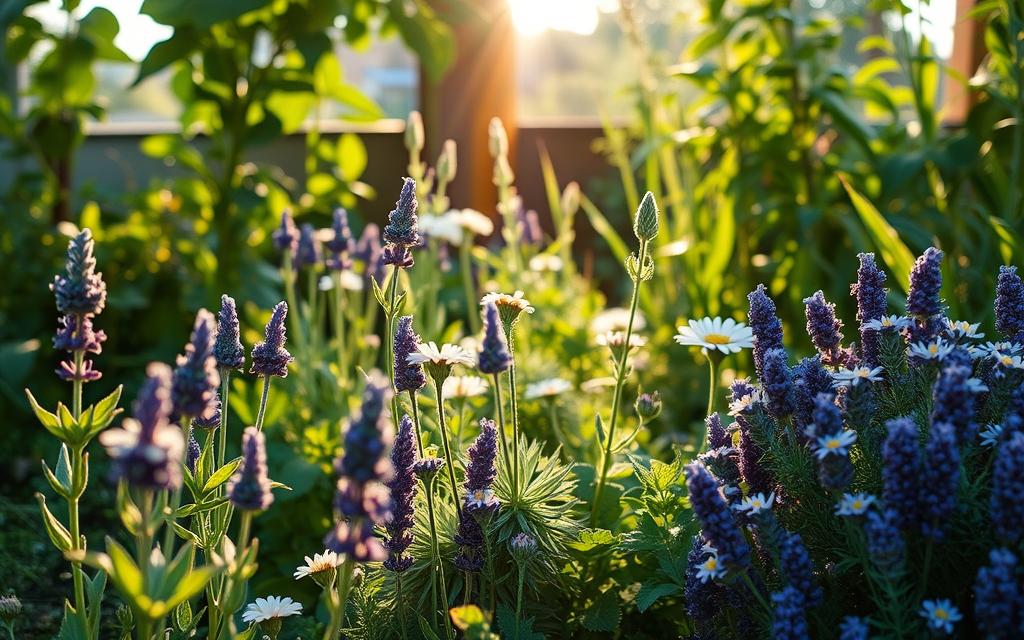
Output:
x=650 y=592
x=593 y=538
x=603 y=614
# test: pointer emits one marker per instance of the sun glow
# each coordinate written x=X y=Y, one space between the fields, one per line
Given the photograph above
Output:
x=532 y=17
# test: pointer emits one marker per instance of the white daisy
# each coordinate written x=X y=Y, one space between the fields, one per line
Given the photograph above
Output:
x=934 y=350
x=464 y=387
x=319 y=563
x=481 y=499
x=940 y=614
x=888 y=322
x=756 y=503
x=854 y=504
x=963 y=329
x=975 y=385
x=616 y=339
x=474 y=222
x=351 y=281
x=1011 y=348
x=711 y=568
x=515 y=301
x=547 y=388
x=835 y=444
x=597 y=385
x=616 y=319
x=545 y=262
x=745 y=403
x=853 y=377
x=444 y=227
x=727 y=336
x=270 y=608
x=448 y=355
x=1008 y=361
x=990 y=435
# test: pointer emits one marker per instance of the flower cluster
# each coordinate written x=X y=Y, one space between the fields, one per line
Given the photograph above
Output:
x=81 y=295
x=402 y=486
x=480 y=502
x=250 y=488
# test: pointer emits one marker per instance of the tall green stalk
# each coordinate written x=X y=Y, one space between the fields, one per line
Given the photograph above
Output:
x=443 y=429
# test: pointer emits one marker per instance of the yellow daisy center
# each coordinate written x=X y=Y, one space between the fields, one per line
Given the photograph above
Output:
x=941 y=613
x=711 y=564
x=1006 y=360
x=833 y=443
x=857 y=504
x=717 y=338
x=886 y=322
x=933 y=348
x=863 y=373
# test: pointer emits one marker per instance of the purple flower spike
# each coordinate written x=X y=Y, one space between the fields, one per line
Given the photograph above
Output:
x=75 y=333
x=777 y=381
x=939 y=480
x=211 y=419
x=810 y=378
x=307 y=253
x=481 y=471
x=871 y=295
x=1010 y=304
x=408 y=377
x=494 y=356
x=885 y=543
x=824 y=328
x=704 y=598
x=81 y=289
x=192 y=453
x=286 y=238
x=341 y=246
x=227 y=347
x=798 y=569
x=764 y=324
x=953 y=402
x=901 y=471
x=835 y=471
x=997 y=596
x=399 y=525
x=529 y=226
x=1007 y=502
x=249 y=488
x=717 y=521
x=397 y=255
x=925 y=283
x=270 y=358
x=716 y=434
x=148 y=451
x=402 y=227
x=790 y=620
x=196 y=377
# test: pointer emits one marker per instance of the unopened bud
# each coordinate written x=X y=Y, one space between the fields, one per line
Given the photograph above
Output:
x=447 y=162
x=414 y=138
x=645 y=225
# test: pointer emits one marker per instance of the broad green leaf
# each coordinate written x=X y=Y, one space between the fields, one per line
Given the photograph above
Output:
x=351 y=155
x=201 y=13
x=100 y=27
x=605 y=229
x=221 y=475
x=894 y=253
x=125 y=572
x=650 y=592
x=47 y=419
x=592 y=538
x=603 y=614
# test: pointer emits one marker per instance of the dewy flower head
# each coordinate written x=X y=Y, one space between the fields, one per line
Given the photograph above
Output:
x=509 y=307
x=270 y=358
x=80 y=290
x=402 y=228
x=853 y=377
x=714 y=334
x=196 y=377
x=439 y=361
x=836 y=444
x=548 y=388
x=307 y=254
x=286 y=237
x=854 y=504
x=270 y=608
x=319 y=565
x=756 y=503
x=464 y=387
x=494 y=356
x=250 y=489
x=227 y=347
x=408 y=376
x=940 y=615
x=147 y=450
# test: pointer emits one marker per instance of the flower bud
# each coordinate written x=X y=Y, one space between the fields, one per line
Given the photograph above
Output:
x=497 y=139
x=10 y=608
x=645 y=225
x=648 y=406
x=447 y=162
x=414 y=138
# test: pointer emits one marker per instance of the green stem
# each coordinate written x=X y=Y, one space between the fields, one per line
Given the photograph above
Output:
x=467 y=282
x=501 y=425
x=168 y=548
x=519 y=597
x=390 y=315
x=263 y=403
x=620 y=379
x=443 y=430
x=416 y=419
x=339 y=328
x=756 y=593
x=401 y=604
x=462 y=423
x=514 y=408
x=76 y=385
x=339 y=601
x=436 y=550
x=77 y=469
x=713 y=362
x=222 y=437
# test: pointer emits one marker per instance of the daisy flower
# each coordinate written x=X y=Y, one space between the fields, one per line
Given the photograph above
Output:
x=545 y=262
x=464 y=387
x=976 y=385
x=940 y=614
x=473 y=221
x=319 y=564
x=617 y=339
x=515 y=301
x=439 y=362
x=547 y=388
x=270 y=608
x=597 y=385
x=835 y=444
x=745 y=403
x=990 y=435
x=616 y=319
x=756 y=503
x=481 y=499
x=1011 y=348
x=445 y=227
x=1008 y=361
x=888 y=322
x=711 y=568
x=854 y=504
x=935 y=350
x=853 y=377
x=963 y=329
x=727 y=336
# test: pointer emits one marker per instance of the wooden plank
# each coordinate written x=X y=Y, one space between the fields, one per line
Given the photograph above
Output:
x=968 y=53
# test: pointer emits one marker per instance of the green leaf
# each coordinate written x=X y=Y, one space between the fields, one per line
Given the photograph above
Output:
x=100 y=27
x=125 y=572
x=429 y=37
x=605 y=229
x=47 y=419
x=59 y=535
x=201 y=13
x=221 y=475
x=351 y=154
x=603 y=614
x=183 y=616
x=593 y=538
x=425 y=629
x=650 y=592
x=895 y=254
x=164 y=54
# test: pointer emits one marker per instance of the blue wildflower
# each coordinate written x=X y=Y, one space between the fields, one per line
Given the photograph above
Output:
x=399 y=524
x=939 y=479
x=716 y=434
x=923 y=300
x=249 y=488
x=408 y=377
x=1007 y=501
x=901 y=471
x=704 y=598
x=885 y=543
x=835 y=471
x=270 y=358
x=810 y=378
x=853 y=628
x=797 y=568
x=227 y=347
x=824 y=328
x=341 y=245
x=764 y=324
x=402 y=228
x=196 y=377
x=789 y=621
x=80 y=290
x=997 y=596
x=777 y=380
x=870 y=292
x=1010 y=304
x=717 y=521
x=286 y=237
x=494 y=356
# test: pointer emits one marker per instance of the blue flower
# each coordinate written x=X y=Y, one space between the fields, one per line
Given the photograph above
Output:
x=797 y=568
x=953 y=401
x=408 y=376
x=196 y=377
x=871 y=295
x=717 y=521
x=939 y=480
x=716 y=435
x=901 y=471
x=494 y=356
x=997 y=596
x=80 y=290
x=402 y=228
x=270 y=358
x=249 y=488
x=286 y=237
x=1010 y=304
x=940 y=615
x=765 y=325
x=402 y=486
x=923 y=300
x=810 y=378
x=1007 y=501
x=789 y=621
x=227 y=347
x=777 y=381
x=853 y=628
x=824 y=328
x=885 y=543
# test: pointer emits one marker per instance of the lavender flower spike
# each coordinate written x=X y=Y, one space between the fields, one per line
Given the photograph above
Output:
x=798 y=569
x=481 y=502
x=871 y=305
x=716 y=434
x=885 y=543
x=901 y=471
x=925 y=283
x=402 y=228
x=494 y=356
x=789 y=621
x=1007 y=502
x=286 y=238
x=824 y=328
x=777 y=381
x=997 y=596
x=227 y=347
x=196 y=377
x=341 y=245
x=270 y=358
x=399 y=525
x=81 y=289
x=249 y=488
x=764 y=324
x=717 y=521
x=1010 y=304
x=939 y=480
x=408 y=377
x=953 y=402
x=307 y=253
